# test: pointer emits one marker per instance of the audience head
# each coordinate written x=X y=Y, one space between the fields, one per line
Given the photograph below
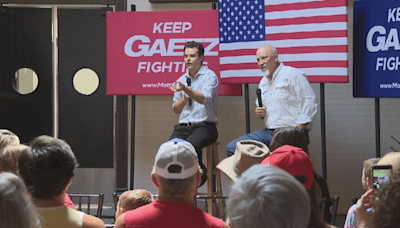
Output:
x=294 y=136
x=16 y=209
x=10 y=156
x=294 y=161
x=248 y=153
x=392 y=158
x=176 y=168
x=267 y=196
x=387 y=207
x=133 y=199
x=47 y=167
x=7 y=137
x=366 y=179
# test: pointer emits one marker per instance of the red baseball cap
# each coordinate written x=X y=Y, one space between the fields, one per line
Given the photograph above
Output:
x=294 y=161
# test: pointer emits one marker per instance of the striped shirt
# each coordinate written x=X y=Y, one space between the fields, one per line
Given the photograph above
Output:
x=205 y=82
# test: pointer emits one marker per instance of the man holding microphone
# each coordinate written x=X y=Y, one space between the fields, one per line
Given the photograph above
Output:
x=287 y=97
x=196 y=100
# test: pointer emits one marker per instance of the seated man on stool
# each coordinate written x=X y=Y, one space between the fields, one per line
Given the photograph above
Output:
x=287 y=97
x=196 y=100
x=176 y=174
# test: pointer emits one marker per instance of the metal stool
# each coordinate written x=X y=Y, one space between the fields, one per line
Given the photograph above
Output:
x=214 y=186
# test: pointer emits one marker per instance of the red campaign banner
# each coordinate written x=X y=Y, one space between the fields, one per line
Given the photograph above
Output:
x=145 y=50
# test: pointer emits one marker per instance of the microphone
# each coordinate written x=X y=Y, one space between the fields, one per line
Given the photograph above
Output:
x=260 y=104
x=189 y=83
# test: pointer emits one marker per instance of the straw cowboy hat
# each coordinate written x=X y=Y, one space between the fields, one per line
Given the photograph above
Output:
x=247 y=153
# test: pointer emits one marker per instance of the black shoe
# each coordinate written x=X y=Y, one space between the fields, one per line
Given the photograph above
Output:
x=203 y=175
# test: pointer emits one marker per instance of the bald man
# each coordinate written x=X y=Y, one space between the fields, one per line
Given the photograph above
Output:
x=287 y=97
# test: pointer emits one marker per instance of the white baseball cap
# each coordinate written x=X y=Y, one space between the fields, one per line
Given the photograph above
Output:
x=177 y=152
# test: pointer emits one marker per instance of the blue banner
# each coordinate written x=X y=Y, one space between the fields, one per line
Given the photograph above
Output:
x=376 y=48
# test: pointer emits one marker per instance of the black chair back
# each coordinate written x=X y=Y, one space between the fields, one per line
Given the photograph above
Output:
x=333 y=211
x=87 y=199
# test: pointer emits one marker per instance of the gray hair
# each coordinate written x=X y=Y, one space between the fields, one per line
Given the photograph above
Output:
x=16 y=209
x=273 y=50
x=174 y=187
x=267 y=196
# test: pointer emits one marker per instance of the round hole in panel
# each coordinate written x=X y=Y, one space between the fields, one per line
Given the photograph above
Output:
x=25 y=81
x=86 y=81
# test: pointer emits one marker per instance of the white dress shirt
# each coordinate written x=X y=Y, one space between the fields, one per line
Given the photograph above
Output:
x=206 y=82
x=289 y=98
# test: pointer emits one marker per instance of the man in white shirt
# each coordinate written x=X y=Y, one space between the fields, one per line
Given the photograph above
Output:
x=196 y=101
x=287 y=97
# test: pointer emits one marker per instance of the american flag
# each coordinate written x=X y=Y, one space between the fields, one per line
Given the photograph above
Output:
x=310 y=35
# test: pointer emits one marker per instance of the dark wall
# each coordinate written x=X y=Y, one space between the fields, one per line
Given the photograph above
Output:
x=25 y=42
x=121 y=104
x=85 y=121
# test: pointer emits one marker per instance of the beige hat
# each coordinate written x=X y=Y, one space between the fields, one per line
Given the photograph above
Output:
x=248 y=153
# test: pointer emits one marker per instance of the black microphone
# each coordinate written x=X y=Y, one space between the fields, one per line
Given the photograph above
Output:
x=260 y=104
x=189 y=83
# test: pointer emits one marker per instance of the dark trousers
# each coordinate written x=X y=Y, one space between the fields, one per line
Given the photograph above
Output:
x=199 y=135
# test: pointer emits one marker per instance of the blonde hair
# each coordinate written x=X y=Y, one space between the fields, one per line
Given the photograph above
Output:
x=7 y=137
x=368 y=165
x=392 y=158
x=10 y=156
x=133 y=199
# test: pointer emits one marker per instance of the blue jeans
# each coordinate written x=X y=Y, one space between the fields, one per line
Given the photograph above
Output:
x=263 y=135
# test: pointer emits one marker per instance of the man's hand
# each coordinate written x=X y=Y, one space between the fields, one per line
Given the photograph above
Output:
x=189 y=92
x=260 y=111
x=302 y=125
x=186 y=96
x=178 y=106
x=177 y=86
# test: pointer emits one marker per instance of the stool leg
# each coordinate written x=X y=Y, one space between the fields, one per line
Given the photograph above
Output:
x=218 y=180
x=209 y=180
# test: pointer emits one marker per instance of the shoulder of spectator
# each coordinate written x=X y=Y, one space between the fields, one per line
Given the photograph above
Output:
x=92 y=222
x=120 y=221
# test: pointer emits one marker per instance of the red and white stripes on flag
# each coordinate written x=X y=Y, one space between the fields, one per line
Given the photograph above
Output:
x=310 y=35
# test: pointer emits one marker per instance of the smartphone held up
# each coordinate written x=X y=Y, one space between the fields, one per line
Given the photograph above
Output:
x=381 y=174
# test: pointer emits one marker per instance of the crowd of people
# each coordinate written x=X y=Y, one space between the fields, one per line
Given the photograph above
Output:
x=275 y=184
x=279 y=190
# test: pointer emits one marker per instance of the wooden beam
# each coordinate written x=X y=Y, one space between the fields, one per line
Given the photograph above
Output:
x=120 y=5
x=121 y=129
